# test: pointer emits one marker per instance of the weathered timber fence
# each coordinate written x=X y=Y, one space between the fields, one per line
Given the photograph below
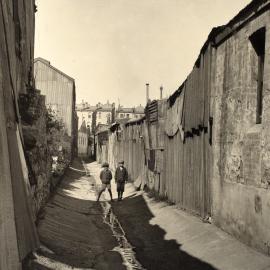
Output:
x=169 y=149
x=207 y=148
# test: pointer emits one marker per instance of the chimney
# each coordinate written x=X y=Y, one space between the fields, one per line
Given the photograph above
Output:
x=161 y=92
x=147 y=93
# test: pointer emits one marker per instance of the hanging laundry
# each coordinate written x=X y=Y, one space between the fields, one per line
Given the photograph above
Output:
x=174 y=117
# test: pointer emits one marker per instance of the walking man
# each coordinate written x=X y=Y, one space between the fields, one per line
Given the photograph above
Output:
x=121 y=177
x=105 y=177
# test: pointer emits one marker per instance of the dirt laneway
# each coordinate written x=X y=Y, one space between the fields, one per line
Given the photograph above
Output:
x=167 y=238
x=150 y=248
x=72 y=230
x=137 y=233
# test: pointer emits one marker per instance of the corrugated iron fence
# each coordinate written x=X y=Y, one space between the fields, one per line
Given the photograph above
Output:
x=169 y=150
x=187 y=144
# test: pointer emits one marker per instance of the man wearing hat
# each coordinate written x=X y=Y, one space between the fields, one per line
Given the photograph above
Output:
x=105 y=177
x=121 y=177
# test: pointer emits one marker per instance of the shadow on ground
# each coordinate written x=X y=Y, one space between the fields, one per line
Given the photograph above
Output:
x=72 y=230
x=74 y=235
x=152 y=250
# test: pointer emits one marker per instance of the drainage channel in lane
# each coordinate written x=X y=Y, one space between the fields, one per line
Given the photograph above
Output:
x=124 y=248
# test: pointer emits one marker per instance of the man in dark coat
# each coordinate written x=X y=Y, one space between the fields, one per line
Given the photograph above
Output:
x=105 y=177
x=121 y=177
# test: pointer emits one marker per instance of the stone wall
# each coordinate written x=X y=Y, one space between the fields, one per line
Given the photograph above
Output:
x=42 y=142
x=33 y=113
x=240 y=182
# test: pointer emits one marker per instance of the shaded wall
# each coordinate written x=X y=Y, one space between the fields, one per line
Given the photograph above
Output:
x=38 y=157
x=18 y=234
x=82 y=144
x=101 y=146
x=127 y=144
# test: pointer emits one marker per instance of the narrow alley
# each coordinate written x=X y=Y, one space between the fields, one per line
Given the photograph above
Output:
x=72 y=228
x=134 y=135
x=76 y=232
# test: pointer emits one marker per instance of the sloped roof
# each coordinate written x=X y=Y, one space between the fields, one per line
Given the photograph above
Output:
x=135 y=121
x=104 y=109
x=86 y=109
x=106 y=106
x=83 y=127
x=47 y=63
x=125 y=110
x=139 y=109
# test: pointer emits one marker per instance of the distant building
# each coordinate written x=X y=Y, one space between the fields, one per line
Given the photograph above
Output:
x=100 y=114
x=83 y=140
x=129 y=113
x=105 y=113
x=101 y=142
x=60 y=94
x=85 y=113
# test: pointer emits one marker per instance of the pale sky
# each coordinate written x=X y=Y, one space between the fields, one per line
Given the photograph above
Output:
x=113 y=47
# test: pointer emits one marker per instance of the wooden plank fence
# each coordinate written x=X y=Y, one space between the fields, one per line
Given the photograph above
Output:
x=173 y=143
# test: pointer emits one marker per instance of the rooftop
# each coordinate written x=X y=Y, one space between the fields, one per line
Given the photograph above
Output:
x=85 y=106
x=137 y=109
x=46 y=62
x=83 y=127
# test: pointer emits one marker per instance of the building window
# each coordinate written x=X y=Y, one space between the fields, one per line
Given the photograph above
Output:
x=121 y=115
x=127 y=115
x=99 y=115
x=257 y=40
x=89 y=115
